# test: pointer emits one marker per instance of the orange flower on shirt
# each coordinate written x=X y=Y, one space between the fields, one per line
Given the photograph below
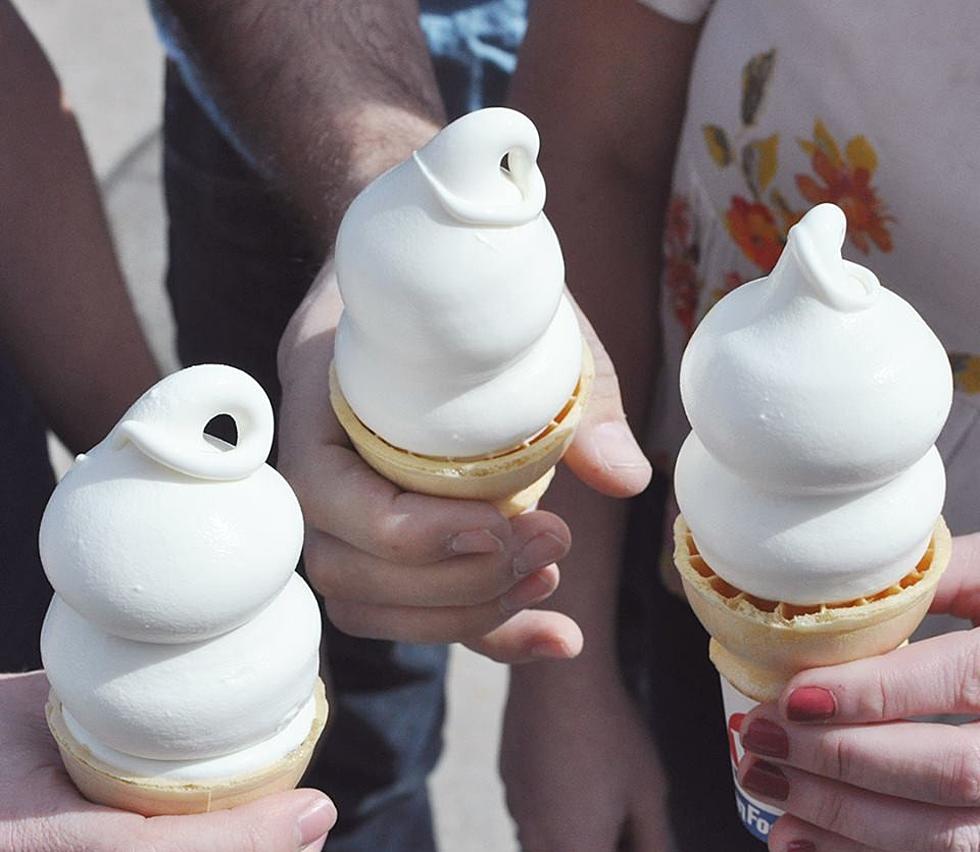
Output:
x=966 y=372
x=755 y=231
x=846 y=181
x=681 y=253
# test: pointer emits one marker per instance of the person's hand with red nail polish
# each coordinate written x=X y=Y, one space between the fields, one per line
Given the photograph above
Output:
x=839 y=754
x=403 y=566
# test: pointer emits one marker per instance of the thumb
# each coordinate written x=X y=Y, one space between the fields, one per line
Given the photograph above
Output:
x=959 y=589
x=284 y=822
x=604 y=454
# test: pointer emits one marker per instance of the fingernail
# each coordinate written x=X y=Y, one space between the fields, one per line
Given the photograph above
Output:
x=765 y=737
x=811 y=704
x=766 y=780
x=802 y=846
x=474 y=541
x=541 y=550
x=615 y=445
x=315 y=822
x=552 y=650
x=535 y=588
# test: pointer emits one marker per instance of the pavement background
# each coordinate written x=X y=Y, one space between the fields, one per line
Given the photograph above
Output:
x=111 y=67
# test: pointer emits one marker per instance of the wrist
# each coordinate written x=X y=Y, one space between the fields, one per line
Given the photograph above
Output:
x=568 y=680
x=368 y=139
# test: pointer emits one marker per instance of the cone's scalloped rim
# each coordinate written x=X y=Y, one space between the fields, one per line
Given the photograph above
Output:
x=167 y=796
x=830 y=616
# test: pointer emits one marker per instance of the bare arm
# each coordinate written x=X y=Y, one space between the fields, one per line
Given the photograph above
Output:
x=607 y=90
x=323 y=95
x=606 y=87
x=65 y=316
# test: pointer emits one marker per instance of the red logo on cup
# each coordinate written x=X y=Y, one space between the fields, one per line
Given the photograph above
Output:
x=734 y=738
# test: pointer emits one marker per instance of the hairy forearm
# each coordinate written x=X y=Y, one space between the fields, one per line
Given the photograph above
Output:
x=65 y=316
x=322 y=95
x=609 y=127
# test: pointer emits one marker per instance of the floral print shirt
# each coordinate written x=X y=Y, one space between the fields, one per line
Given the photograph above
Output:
x=872 y=106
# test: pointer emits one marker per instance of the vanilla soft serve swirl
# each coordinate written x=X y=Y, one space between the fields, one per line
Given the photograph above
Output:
x=815 y=396
x=456 y=339
x=179 y=630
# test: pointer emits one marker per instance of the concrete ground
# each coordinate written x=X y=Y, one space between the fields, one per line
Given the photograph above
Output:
x=111 y=67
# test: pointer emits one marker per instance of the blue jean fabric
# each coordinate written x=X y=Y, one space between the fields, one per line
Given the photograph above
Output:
x=239 y=265
x=474 y=49
x=26 y=481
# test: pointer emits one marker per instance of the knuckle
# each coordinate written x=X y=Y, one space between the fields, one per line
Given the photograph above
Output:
x=959 y=781
x=831 y=812
x=836 y=756
x=393 y=533
x=968 y=672
x=872 y=702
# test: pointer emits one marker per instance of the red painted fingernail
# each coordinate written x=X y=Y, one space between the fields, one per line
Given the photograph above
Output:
x=766 y=780
x=765 y=737
x=811 y=704
x=802 y=846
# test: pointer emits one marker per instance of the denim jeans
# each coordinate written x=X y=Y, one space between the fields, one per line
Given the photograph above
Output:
x=26 y=481
x=239 y=266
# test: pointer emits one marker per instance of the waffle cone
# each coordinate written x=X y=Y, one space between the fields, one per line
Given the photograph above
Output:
x=758 y=645
x=101 y=783
x=513 y=480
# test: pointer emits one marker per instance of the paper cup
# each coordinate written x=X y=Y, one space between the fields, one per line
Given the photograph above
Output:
x=757 y=817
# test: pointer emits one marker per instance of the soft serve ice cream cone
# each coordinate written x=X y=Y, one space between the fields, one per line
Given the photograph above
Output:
x=810 y=487
x=459 y=369
x=181 y=647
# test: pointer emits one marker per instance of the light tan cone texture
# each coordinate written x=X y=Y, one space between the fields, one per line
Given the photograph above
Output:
x=513 y=481
x=758 y=645
x=104 y=785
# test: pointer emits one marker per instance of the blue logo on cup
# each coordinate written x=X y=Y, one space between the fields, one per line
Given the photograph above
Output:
x=755 y=817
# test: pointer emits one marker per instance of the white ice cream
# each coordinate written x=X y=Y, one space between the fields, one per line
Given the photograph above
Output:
x=179 y=630
x=456 y=338
x=815 y=397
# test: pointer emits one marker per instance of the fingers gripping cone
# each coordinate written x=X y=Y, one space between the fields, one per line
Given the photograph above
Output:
x=459 y=366
x=810 y=486
x=758 y=645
